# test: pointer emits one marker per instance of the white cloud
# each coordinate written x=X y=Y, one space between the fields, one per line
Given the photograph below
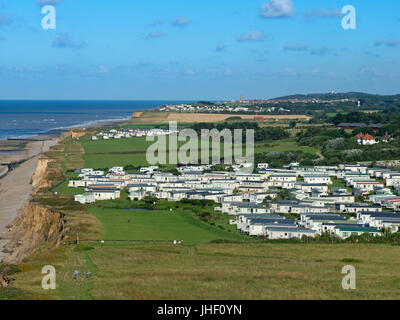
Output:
x=228 y=72
x=181 y=22
x=295 y=47
x=5 y=20
x=388 y=43
x=220 y=47
x=102 y=69
x=392 y=43
x=277 y=9
x=64 y=41
x=155 y=35
x=322 y=13
x=251 y=36
x=157 y=22
x=320 y=52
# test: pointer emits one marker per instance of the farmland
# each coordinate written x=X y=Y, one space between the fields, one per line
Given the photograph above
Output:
x=165 y=117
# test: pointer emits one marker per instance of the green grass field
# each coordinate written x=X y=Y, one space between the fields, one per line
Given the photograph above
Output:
x=283 y=146
x=213 y=271
x=109 y=153
x=63 y=189
x=159 y=225
x=122 y=152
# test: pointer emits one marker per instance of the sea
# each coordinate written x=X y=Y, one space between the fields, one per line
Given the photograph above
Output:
x=25 y=119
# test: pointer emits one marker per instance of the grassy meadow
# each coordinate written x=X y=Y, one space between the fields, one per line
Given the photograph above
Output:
x=283 y=146
x=212 y=271
x=159 y=225
x=123 y=152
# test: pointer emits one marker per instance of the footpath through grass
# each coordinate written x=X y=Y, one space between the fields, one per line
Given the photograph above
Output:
x=214 y=271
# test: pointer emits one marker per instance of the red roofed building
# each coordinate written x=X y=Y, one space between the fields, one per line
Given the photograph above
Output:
x=365 y=139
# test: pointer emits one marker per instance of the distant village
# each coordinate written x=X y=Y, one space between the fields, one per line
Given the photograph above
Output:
x=132 y=133
x=249 y=105
x=253 y=199
x=220 y=107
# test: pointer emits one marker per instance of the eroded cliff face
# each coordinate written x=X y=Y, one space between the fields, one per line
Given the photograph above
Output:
x=39 y=178
x=36 y=225
x=73 y=134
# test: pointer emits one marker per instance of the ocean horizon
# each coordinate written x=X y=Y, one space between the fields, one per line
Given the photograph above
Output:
x=21 y=119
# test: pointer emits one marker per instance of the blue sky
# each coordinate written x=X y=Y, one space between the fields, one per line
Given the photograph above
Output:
x=175 y=49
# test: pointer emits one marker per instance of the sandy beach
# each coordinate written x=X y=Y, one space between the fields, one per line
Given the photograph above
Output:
x=15 y=187
x=32 y=149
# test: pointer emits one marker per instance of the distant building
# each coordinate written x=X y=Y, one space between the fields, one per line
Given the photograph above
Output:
x=263 y=166
x=365 y=139
x=386 y=138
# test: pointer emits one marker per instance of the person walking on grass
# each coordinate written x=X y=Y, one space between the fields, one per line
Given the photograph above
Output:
x=76 y=273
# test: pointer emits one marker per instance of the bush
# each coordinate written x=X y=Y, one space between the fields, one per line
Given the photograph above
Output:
x=83 y=247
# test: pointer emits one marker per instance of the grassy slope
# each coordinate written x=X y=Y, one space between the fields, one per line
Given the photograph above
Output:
x=108 y=153
x=283 y=146
x=122 y=152
x=263 y=271
x=215 y=271
x=158 y=225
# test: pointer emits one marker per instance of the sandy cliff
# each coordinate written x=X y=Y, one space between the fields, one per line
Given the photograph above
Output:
x=16 y=188
x=37 y=225
x=73 y=134
x=39 y=178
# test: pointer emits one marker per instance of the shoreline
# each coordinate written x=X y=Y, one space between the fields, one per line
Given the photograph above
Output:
x=10 y=152
x=15 y=191
x=16 y=184
x=58 y=131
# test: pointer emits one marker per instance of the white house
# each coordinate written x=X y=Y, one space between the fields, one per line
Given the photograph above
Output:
x=85 y=198
x=263 y=166
x=317 y=179
x=289 y=233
